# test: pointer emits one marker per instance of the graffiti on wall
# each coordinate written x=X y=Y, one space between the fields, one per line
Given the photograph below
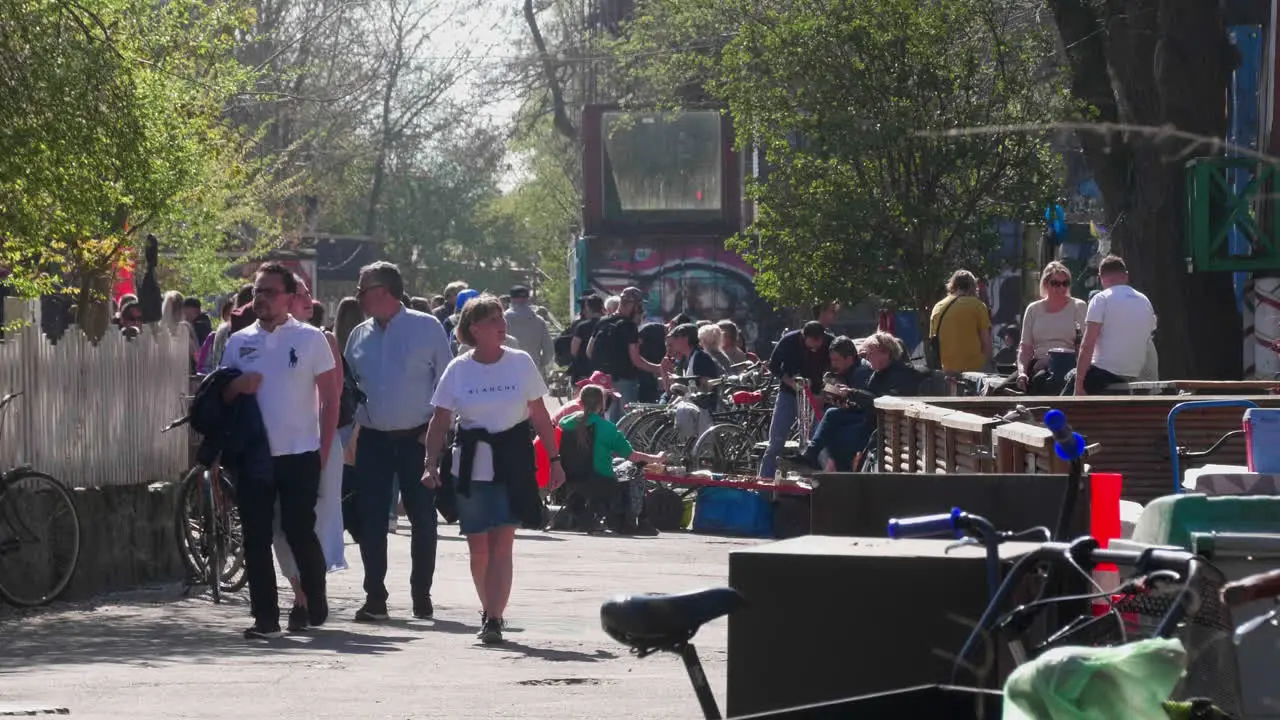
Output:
x=695 y=276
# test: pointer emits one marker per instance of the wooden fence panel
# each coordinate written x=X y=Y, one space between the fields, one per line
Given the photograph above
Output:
x=91 y=414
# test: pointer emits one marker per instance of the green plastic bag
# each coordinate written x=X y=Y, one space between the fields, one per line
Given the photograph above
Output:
x=1087 y=683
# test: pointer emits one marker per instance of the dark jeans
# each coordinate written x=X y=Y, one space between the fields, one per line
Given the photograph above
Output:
x=843 y=433
x=380 y=456
x=650 y=391
x=295 y=482
x=1096 y=382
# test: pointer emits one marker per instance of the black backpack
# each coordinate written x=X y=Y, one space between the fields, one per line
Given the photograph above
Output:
x=352 y=397
x=564 y=349
x=609 y=358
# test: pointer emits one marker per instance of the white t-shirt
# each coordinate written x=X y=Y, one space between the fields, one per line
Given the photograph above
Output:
x=494 y=397
x=1127 y=320
x=289 y=359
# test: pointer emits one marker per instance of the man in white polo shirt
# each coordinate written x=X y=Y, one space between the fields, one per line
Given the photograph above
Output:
x=288 y=365
x=1118 y=327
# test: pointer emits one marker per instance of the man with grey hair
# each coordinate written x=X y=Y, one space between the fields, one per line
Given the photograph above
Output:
x=396 y=357
x=530 y=329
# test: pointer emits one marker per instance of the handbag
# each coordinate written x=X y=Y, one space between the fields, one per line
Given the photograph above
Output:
x=933 y=346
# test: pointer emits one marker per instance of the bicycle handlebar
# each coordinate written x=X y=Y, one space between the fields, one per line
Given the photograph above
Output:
x=1262 y=586
x=1068 y=445
x=927 y=525
x=1084 y=554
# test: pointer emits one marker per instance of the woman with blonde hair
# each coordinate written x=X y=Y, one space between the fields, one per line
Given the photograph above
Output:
x=1052 y=323
x=710 y=338
x=495 y=394
x=173 y=321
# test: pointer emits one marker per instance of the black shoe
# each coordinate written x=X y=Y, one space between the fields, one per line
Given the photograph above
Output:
x=372 y=612
x=298 y=621
x=491 y=633
x=645 y=529
x=259 y=632
x=810 y=457
x=317 y=611
x=423 y=609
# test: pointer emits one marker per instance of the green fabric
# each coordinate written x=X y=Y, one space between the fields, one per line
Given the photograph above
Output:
x=1084 y=683
x=609 y=442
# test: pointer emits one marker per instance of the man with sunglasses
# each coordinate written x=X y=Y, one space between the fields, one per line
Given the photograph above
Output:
x=289 y=367
x=396 y=357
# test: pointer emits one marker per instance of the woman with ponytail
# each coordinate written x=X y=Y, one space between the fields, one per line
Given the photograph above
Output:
x=590 y=430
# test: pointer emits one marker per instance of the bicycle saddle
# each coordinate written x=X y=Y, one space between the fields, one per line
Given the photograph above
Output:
x=663 y=622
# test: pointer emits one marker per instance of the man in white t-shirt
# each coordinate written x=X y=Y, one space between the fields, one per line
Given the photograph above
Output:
x=288 y=366
x=1118 y=327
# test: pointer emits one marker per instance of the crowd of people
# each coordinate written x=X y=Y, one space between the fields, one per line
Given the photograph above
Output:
x=425 y=404
x=436 y=406
x=1064 y=345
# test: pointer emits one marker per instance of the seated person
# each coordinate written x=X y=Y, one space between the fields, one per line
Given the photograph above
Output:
x=693 y=416
x=621 y=502
x=684 y=353
x=1007 y=356
x=843 y=432
x=1051 y=324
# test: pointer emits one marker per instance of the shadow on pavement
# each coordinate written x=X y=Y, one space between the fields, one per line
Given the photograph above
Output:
x=550 y=654
x=452 y=627
x=160 y=632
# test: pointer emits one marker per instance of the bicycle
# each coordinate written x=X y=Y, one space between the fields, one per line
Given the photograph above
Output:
x=667 y=623
x=37 y=557
x=207 y=529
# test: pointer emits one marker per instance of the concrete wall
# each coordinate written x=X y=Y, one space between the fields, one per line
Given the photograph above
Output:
x=127 y=539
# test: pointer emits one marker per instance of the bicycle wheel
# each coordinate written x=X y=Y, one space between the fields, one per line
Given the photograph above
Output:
x=726 y=449
x=190 y=522
x=39 y=538
x=232 y=576
x=215 y=539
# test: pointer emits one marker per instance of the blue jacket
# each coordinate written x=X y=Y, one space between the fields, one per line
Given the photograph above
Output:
x=235 y=431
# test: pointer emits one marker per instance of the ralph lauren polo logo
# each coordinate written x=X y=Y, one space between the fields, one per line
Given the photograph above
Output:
x=293 y=358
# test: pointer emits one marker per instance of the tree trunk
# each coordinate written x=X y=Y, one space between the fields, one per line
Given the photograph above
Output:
x=1152 y=64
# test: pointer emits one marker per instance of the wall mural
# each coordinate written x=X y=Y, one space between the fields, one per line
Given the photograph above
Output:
x=695 y=276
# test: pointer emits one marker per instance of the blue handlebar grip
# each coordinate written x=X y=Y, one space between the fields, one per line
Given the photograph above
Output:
x=1067 y=444
x=926 y=525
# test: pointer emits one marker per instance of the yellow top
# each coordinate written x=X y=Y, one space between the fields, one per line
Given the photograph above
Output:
x=960 y=332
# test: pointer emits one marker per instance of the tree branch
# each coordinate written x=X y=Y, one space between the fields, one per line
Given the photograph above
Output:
x=560 y=119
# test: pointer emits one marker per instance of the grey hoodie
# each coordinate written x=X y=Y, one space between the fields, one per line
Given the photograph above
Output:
x=535 y=336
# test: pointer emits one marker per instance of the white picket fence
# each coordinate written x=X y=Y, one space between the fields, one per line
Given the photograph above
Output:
x=91 y=414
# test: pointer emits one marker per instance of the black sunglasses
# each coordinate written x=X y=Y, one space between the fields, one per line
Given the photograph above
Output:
x=1059 y=283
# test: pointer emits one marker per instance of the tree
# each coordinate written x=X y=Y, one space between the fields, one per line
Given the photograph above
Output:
x=1144 y=67
x=542 y=213
x=111 y=128
x=854 y=103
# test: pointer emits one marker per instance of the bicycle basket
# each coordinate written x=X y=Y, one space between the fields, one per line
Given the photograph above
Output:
x=1206 y=634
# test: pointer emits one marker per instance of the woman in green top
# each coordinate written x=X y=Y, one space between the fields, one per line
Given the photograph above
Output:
x=608 y=444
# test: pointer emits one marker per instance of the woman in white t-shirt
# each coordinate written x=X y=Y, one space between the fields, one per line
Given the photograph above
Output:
x=1051 y=323
x=495 y=394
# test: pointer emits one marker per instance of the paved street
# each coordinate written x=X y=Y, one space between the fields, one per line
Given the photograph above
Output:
x=153 y=654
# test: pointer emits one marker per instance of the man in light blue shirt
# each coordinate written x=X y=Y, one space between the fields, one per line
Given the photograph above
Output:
x=396 y=356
